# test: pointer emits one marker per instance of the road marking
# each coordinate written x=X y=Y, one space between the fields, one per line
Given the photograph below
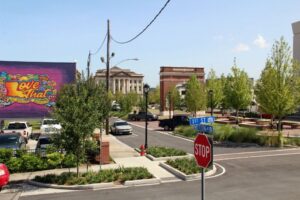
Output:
x=253 y=152
x=259 y=156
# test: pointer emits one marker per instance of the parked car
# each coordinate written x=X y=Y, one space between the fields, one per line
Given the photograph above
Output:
x=13 y=141
x=50 y=126
x=21 y=127
x=42 y=144
x=4 y=175
x=121 y=127
x=116 y=107
x=176 y=120
x=142 y=116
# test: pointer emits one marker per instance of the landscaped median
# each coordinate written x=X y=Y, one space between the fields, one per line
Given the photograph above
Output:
x=186 y=168
x=96 y=180
x=157 y=153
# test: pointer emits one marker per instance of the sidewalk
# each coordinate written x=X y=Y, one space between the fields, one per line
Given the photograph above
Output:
x=122 y=154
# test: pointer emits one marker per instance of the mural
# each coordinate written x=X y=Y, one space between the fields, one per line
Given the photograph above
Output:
x=29 y=89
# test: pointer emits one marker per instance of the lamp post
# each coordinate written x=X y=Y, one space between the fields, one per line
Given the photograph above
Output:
x=211 y=92
x=134 y=59
x=146 y=90
x=107 y=86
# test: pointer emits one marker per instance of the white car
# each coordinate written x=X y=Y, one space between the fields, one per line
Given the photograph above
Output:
x=50 y=126
x=121 y=127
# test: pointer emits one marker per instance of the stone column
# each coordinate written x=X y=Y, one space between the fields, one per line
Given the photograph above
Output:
x=113 y=85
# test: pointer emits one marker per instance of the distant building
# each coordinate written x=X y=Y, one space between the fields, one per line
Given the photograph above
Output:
x=176 y=76
x=122 y=80
x=296 y=43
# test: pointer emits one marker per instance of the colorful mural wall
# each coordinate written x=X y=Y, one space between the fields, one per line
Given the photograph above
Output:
x=29 y=89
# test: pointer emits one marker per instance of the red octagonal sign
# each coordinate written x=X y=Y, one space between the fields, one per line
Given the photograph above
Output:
x=203 y=150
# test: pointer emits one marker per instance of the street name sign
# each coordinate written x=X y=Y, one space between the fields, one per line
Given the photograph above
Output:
x=201 y=120
x=203 y=128
x=203 y=150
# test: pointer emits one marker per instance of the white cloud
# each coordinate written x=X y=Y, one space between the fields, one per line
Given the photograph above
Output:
x=260 y=42
x=241 y=47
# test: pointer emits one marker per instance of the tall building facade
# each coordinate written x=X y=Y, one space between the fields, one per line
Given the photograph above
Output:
x=122 y=80
x=176 y=76
x=296 y=43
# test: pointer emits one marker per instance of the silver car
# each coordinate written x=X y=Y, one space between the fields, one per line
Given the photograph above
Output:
x=121 y=127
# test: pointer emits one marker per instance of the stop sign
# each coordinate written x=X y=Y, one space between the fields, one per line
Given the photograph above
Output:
x=203 y=150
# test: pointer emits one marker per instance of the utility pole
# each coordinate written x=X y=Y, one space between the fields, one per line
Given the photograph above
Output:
x=88 y=64
x=107 y=73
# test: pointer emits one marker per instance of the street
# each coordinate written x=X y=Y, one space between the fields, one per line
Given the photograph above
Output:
x=251 y=173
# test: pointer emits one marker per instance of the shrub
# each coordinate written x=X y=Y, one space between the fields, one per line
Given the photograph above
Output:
x=110 y=175
x=31 y=162
x=185 y=165
x=54 y=159
x=5 y=155
x=14 y=165
x=186 y=131
x=164 y=151
x=69 y=160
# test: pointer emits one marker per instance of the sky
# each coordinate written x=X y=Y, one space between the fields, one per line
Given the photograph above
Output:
x=191 y=33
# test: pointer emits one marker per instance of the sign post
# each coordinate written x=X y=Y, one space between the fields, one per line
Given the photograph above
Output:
x=203 y=151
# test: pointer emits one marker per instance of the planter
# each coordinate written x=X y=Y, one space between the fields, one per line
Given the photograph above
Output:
x=167 y=158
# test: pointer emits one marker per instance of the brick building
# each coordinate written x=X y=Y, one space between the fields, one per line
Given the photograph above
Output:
x=176 y=76
x=296 y=43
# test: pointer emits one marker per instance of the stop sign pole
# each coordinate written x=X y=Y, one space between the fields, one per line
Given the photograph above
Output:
x=203 y=151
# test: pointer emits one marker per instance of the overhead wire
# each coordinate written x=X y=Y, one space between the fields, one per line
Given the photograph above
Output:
x=100 y=47
x=141 y=32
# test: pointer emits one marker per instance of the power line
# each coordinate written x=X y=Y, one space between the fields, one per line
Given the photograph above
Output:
x=140 y=33
x=100 y=46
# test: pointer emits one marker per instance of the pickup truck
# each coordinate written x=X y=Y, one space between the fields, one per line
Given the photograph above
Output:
x=19 y=127
x=142 y=116
x=171 y=124
x=50 y=126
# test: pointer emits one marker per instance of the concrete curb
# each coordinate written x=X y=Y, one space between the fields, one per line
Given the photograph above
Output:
x=152 y=181
x=185 y=177
x=167 y=158
x=74 y=187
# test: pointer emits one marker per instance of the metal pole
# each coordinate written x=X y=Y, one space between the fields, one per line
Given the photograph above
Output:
x=202 y=184
x=146 y=122
x=107 y=74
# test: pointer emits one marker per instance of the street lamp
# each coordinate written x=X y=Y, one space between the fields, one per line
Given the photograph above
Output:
x=211 y=92
x=134 y=59
x=146 y=91
x=107 y=86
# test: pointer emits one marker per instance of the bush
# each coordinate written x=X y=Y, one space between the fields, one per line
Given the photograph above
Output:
x=186 y=131
x=31 y=162
x=54 y=159
x=69 y=161
x=14 y=165
x=5 y=155
x=185 y=165
x=110 y=175
x=164 y=151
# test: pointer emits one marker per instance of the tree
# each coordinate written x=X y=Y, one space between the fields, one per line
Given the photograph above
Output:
x=128 y=101
x=214 y=84
x=278 y=88
x=173 y=98
x=80 y=108
x=195 y=97
x=154 y=95
x=237 y=90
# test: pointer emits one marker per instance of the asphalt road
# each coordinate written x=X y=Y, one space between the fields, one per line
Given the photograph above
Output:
x=267 y=178
x=162 y=138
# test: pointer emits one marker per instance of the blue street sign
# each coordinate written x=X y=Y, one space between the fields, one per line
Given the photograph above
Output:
x=201 y=120
x=204 y=128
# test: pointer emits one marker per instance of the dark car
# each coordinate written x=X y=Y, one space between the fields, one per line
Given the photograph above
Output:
x=43 y=143
x=171 y=124
x=142 y=116
x=13 y=141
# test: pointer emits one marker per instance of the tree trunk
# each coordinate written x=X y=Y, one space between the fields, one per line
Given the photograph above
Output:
x=237 y=116
x=280 y=135
x=77 y=165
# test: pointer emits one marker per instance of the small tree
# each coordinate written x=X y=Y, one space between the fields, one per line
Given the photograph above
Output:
x=173 y=98
x=195 y=95
x=278 y=89
x=80 y=108
x=215 y=85
x=154 y=95
x=128 y=101
x=237 y=90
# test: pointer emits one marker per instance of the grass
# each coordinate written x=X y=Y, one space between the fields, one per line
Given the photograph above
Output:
x=186 y=131
x=104 y=176
x=185 y=165
x=165 y=152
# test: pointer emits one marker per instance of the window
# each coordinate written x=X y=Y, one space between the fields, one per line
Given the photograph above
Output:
x=134 y=81
x=135 y=88
x=140 y=81
x=140 y=88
